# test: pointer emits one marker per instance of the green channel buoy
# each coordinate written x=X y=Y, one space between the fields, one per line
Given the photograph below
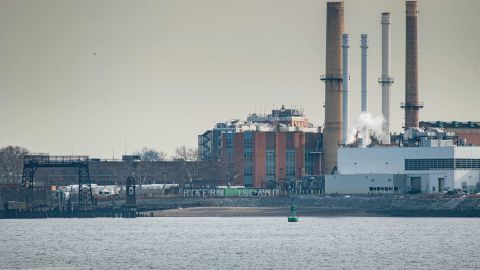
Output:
x=293 y=214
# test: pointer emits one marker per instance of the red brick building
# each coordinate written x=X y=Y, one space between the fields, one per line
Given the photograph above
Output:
x=269 y=158
x=266 y=150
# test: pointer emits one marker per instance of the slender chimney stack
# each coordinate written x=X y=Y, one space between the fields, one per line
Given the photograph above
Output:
x=345 y=47
x=411 y=104
x=364 y=46
x=386 y=80
x=332 y=135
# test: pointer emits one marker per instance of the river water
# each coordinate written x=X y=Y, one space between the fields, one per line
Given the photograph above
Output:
x=241 y=243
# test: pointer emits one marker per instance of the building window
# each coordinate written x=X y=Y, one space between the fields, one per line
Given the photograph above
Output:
x=247 y=140
x=467 y=164
x=229 y=140
x=271 y=170
x=308 y=163
x=442 y=164
x=230 y=155
x=247 y=155
x=429 y=164
x=248 y=170
x=270 y=165
x=270 y=156
x=290 y=162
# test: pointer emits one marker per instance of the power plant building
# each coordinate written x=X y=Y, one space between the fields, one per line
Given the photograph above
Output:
x=266 y=150
x=423 y=161
x=426 y=169
x=468 y=131
x=427 y=157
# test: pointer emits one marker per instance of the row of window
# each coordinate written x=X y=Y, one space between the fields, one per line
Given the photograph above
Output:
x=270 y=159
x=441 y=164
x=428 y=164
x=383 y=188
x=270 y=170
x=464 y=163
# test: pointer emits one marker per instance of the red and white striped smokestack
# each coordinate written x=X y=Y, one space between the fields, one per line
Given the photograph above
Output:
x=411 y=104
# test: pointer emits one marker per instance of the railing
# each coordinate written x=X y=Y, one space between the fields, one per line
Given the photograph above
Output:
x=331 y=77
x=409 y=105
x=46 y=159
x=385 y=79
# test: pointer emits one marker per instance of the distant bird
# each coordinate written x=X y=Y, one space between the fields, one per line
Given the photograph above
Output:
x=94 y=53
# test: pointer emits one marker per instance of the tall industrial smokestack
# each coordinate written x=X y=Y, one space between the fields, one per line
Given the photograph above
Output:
x=345 y=47
x=333 y=86
x=386 y=80
x=364 y=46
x=411 y=104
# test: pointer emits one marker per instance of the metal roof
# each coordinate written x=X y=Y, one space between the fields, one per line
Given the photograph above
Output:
x=452 y=124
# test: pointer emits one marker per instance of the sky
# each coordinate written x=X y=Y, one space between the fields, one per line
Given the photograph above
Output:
x=107 y=77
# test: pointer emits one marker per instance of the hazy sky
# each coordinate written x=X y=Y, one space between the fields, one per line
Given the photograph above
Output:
x=97 y=77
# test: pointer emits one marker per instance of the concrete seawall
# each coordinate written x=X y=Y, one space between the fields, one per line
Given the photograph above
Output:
x=411 y=206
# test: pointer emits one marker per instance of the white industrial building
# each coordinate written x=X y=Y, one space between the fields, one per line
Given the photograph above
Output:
x=428 y=169
x=366 y=184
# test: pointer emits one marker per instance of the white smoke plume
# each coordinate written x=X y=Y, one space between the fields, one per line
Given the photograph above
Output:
x=373 y=125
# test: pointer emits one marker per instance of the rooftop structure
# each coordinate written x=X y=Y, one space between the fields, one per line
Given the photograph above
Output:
x=467 y=132
x=431 y=137
x=449 y=125
x=290 y=117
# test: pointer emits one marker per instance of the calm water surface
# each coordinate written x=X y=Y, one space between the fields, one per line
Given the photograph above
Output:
x=241 y=243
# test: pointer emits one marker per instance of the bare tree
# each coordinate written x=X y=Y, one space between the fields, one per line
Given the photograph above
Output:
x=231 y=170
x=11 y=163
x=145 y=168
x=189 y=157
x=141 y=171
x=151 y=154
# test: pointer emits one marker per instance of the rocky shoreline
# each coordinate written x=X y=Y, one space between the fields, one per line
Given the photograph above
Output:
x=258 y=212
x=395 y=206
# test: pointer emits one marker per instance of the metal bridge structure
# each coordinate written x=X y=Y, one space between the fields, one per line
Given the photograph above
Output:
x=79 y=163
